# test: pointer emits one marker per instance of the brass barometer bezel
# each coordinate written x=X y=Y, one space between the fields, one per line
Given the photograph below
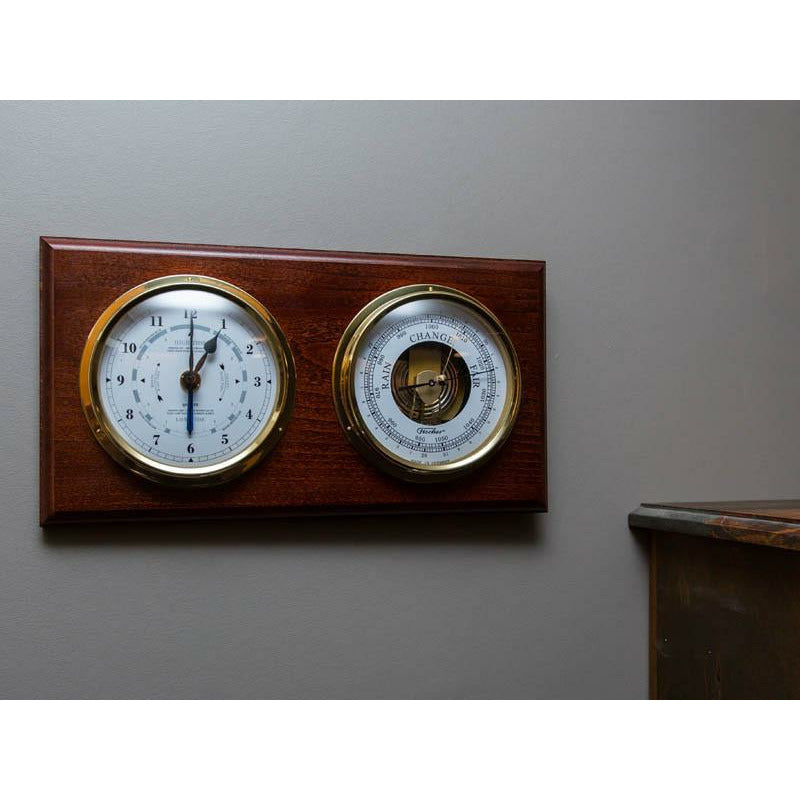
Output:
x=130 y=458
x=344 y=396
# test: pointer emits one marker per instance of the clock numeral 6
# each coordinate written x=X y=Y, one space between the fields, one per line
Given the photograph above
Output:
x=190 y=448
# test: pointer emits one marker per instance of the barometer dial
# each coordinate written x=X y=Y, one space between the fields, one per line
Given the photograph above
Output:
x=426 y=382
x=187 y=379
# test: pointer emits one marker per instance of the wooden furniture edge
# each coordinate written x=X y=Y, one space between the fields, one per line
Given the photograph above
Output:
x=653 y=620
x=714 y=525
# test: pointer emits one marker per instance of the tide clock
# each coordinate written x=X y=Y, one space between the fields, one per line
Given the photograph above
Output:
x=187 y=380
x=426 y=383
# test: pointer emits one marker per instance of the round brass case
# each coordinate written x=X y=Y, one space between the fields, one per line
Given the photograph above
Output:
x=137 y=462
x=354 y=424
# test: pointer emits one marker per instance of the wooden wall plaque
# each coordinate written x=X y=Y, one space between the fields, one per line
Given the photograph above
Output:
x=313 y=470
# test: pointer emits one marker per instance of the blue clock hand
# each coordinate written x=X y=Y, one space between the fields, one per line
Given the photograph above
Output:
x=190 y=412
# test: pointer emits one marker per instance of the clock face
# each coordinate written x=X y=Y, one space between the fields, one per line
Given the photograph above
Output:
x=426 y=383
x=188 y=379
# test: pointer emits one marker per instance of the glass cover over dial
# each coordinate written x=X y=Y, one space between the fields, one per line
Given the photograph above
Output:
x=187 y=379
x=426 y=382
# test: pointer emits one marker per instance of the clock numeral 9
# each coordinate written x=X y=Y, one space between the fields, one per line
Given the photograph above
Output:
x=120 y=379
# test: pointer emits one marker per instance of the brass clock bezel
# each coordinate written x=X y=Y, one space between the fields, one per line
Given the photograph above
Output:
x=130 y=458
x=346 y=406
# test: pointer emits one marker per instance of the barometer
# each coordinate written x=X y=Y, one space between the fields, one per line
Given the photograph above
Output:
x=426 y=383
x=187 y=380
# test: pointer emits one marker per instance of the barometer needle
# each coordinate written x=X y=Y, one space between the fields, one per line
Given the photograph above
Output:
x=431 y=382
x=444 y=368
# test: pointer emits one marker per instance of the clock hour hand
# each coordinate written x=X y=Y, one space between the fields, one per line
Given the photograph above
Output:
x=191 y=379
x=210 y=347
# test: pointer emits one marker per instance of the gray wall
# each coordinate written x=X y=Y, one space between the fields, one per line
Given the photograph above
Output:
x=671 y=235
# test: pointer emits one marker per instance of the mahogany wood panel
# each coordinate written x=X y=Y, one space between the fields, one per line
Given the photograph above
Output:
x=313 y=295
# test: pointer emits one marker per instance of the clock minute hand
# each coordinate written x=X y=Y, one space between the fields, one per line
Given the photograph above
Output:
x=191 y=343
x=190 y=399
x=210 y=347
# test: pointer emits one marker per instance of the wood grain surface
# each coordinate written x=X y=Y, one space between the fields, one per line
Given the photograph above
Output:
x=313 y=295
x=724 y=620
x=772 y=523
x=723 y=612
